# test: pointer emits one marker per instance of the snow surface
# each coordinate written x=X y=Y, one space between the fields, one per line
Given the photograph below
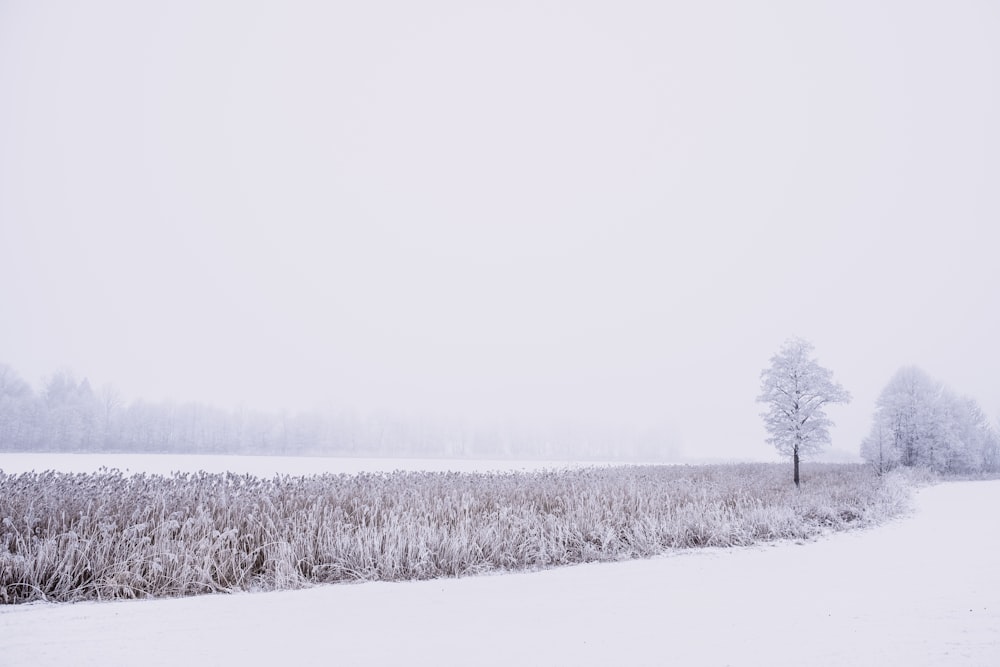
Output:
x=924 y=590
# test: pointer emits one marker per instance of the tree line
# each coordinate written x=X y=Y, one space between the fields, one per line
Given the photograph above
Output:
x=69 y=415
x=918 y=421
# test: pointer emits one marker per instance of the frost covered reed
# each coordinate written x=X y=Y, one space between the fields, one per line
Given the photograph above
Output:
x=110 y=535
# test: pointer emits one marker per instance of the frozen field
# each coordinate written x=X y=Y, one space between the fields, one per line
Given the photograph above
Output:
x=924 y=590
x=261 y=466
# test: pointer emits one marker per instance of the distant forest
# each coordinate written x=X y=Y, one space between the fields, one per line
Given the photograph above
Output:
x=67 y=415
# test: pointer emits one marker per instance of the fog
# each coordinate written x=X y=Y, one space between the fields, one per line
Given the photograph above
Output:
x=585 y=215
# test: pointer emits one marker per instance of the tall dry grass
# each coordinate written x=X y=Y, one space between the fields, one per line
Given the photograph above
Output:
x=110 y=535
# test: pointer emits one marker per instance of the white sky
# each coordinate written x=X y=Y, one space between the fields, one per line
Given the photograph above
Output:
x=576 y=212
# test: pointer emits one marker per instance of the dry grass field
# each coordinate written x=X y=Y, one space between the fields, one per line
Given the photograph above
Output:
x=66 y=537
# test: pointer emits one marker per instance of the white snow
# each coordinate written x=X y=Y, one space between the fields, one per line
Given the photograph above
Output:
x=924 y=590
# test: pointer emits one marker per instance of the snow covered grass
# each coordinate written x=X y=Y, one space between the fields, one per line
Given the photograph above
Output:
x=110 y=535
x=264 y=466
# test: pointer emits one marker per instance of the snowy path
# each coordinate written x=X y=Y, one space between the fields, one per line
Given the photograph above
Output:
x=921 y=591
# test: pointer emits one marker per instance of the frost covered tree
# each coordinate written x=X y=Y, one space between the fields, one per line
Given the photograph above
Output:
x=17 y=410
x=796 y=389
x=919 y=422
x=904 y=420
x=71 y=412
x=879 y=448
x=991 y=455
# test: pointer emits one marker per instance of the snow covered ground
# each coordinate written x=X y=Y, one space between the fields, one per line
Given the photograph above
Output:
x=924 y=590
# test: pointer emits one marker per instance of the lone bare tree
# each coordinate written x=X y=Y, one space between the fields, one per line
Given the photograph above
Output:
x=796 y=389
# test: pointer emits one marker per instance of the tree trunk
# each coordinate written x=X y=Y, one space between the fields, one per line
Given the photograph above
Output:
x=795 y=460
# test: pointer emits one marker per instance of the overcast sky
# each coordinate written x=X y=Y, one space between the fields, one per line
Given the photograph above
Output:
x=581 y=213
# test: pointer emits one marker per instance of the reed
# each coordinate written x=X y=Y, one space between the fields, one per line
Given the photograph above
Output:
x=109 y=535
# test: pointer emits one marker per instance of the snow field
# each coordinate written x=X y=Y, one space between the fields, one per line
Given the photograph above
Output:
x=924 y=590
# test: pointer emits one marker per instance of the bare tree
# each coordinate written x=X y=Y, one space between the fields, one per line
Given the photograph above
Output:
x=796 y=390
